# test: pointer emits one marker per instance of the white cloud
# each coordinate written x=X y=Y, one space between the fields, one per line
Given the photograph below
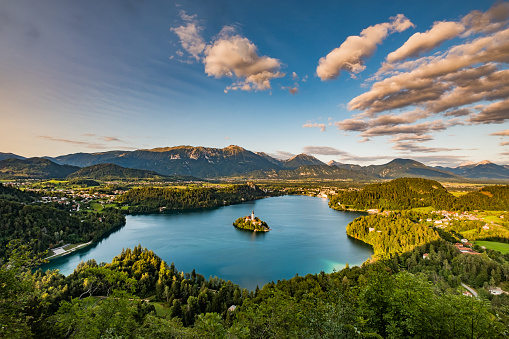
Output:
x=236 y=57
x=490 y=21
x=350 y=55
x=425 y=42
x=229 y=55
x=190 y=36
x=454 y=84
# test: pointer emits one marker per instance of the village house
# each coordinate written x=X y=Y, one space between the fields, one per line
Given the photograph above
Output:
x=467 y=294
x=496 y=291
x=465 y=250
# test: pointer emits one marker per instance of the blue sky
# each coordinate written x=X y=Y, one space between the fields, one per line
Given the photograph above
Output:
x=357 y=82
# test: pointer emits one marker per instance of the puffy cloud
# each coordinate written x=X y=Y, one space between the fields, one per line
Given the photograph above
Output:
x=434 y=76
x=190 y=36
x=495 y=113
x=383 y=123
x=311 y=125
x=425 y=42
x=229 y=55
x=356 y=125
x=455 y=83
x=236 y=56
x=467 y=91
x=490 y=21
x=418 y=129
x=350 y=55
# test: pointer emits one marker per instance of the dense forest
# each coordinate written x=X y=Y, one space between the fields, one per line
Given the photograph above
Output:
x=393 y=233
x=404 y=296
x=45 y=226
x=155 y=199
x=408 y=193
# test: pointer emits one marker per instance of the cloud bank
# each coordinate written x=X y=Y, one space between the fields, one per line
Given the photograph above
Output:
x=412 y=94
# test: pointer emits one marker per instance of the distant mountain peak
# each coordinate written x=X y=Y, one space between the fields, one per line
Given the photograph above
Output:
x=303 y=156
x=403 y=161
x=471 y=163
x=301 y=160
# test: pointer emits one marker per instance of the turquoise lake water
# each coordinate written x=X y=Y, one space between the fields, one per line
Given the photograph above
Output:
x=307 y=237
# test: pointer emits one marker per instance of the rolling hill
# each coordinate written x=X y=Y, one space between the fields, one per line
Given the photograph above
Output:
x=399 y=168
x=4 y=156
x=34 y=168
x=106 y=172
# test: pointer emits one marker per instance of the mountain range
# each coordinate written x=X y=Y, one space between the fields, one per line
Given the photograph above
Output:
x=231 y=161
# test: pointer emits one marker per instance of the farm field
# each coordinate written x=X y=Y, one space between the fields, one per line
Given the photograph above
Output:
x=492 y=245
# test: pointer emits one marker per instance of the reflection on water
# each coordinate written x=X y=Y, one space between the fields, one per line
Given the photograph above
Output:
x=307 y=237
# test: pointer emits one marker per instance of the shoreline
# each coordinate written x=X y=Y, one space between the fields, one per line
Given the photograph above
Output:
x=60 y=251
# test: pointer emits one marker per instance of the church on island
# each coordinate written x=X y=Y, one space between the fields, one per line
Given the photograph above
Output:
x=252 y=223
x=251 y=218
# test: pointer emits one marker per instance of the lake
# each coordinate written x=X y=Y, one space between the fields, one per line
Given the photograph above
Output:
x=307 y=237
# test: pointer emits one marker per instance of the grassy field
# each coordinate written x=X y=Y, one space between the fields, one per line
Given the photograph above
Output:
x=97 y=207
x=492 y=245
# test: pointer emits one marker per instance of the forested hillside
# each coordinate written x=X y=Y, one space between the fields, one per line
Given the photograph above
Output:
x=408 y=193
x=112 y=172
x=33 y=168
x=44 y=225
x=395 y=233
x=398 y=194
x=155 y=199
x=372 y=301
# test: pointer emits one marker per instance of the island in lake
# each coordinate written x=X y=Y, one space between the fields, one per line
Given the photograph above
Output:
x=252 y=223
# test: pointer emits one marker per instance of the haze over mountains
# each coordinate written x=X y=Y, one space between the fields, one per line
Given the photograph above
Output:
x=231 y=161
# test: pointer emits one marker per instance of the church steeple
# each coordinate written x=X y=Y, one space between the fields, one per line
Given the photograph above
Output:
x=252 y=216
